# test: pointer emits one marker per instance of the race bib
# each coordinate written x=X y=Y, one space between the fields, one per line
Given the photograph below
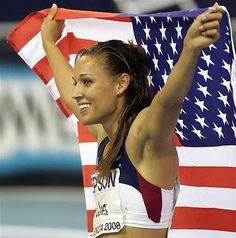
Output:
x=108 y=217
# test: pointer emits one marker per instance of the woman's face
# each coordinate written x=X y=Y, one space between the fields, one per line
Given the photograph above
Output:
x=95 y=91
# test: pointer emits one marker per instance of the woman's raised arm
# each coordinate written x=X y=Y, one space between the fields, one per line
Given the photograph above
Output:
x=51 y=31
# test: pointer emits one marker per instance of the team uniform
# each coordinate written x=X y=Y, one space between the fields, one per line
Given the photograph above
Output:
x=125 y=198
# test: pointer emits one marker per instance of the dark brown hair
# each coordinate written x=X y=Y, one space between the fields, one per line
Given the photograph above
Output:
x=123 y=58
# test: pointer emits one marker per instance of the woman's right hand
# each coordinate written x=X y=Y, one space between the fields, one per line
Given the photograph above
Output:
x=51 y=29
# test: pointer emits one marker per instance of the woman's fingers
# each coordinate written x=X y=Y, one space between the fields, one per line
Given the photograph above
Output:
x=52 y=12
x=210 y=25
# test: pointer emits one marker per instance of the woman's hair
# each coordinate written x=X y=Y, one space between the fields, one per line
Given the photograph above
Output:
x=120 y=58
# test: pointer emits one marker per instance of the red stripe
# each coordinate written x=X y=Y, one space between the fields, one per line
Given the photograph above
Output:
x=204 y=218
x=43 y=70
x=176 y=140
x=30 y=25
x=222 y=177
x=90 y=215
x=77 y=44
x=25 y=30
x=118 y=18
x=84 y=135
x=76 y=14
x=87 y=171
x=64 y=109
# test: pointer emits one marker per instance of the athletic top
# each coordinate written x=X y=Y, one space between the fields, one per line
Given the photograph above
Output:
x=126 y=198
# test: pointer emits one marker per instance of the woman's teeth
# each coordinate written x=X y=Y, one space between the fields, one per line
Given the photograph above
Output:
x=84 y=106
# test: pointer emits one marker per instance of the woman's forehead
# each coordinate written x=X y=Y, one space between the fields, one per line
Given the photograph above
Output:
x=90 y=65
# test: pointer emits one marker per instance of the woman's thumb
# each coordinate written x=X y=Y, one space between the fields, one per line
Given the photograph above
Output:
x=52 y=11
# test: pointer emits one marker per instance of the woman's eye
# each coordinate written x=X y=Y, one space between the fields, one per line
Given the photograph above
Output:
x=87 y=81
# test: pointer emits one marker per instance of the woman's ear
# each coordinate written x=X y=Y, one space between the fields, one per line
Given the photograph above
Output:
x=123 y=83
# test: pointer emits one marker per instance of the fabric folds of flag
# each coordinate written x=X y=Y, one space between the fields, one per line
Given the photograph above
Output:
x=206 y=129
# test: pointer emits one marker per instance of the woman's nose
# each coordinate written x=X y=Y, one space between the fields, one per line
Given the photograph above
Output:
x=77 y=92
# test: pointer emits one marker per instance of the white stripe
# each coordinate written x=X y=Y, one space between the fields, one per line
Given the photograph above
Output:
x=200 y=234
x=95 y=29
x=206 y=197
x=11 y=231
x=33 y=51
x=72 y=59
x=74 y=123
x=89 y=198
x=88 y=153
x=52 y=88
x=189 y=156
x=207 y=156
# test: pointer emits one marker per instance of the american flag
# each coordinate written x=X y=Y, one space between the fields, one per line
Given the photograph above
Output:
x=206 y=129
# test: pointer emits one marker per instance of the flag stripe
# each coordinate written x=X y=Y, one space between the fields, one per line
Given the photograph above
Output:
x=207 y=197
x=89 y=28
x=222 y=177
x=25 y=31
x=204 y=218
x=88 y=170
x=85 y=135
x=63 y=108
x=90 y=214
x=30 y=26
x=222 y=156
x=90 y=203
x=52 y=88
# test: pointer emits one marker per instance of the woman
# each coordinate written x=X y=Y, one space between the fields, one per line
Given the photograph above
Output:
x=137 y=173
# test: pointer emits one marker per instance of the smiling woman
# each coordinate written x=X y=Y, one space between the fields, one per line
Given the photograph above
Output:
x=136 y=155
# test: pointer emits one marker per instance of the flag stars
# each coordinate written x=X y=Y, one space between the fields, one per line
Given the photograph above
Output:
x=226 y=66
x=203 y=90
x=169 y=19
x=198 y=133
x=201 y=121
x=163 y=31
x=152 y=18
x=145 y=47
x=218 y=130
x=207 y=59
x=227 y=48
x=165 y=77
x=212 y=46
x=200 y=104
x=147 y=32
x=181 y=123
x=185 y=18
x=234 y=129
x=180 y=133
x=149 y=78
x=155 y=62
x=222 y=116
x=182 y=111
x=173 y=46
x=137 y=20
x=158 y=46
x=204 y=73
x=179 y=31
x=224 y=99
x=170 y=62
x=226 y=84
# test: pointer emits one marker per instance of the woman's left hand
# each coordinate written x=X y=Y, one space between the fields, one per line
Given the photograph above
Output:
x=205 y=30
